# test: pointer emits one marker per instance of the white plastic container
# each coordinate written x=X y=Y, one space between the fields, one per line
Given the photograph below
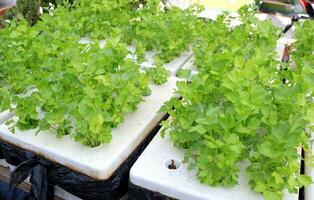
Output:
x=174 y=66
x=309 y=190
x=4 y=116
x=102 y=161
x=151 y=172
x=278 y=21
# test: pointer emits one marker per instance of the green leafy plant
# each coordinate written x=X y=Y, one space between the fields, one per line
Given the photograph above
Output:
x=168 y=33
x=74 y=89
x=158 y=74
x=53 y=83
x=237 y=108
x=147 y=26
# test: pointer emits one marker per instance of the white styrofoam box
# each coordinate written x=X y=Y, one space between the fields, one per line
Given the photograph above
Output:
x=4 y=116
x=173 y=66
x=309 y=190
x=150 y=171
x=210 y=13
x=183 y=4
x=102 y=161
x=278 y=21
x=189 y=65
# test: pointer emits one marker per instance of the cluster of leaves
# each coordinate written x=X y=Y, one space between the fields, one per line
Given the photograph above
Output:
x=168 y=32
x=158 y=74
x=81 y=90
x=303 y=55
x=53 y=83
x=301 y=64
x=238 y=108
x=145 y=24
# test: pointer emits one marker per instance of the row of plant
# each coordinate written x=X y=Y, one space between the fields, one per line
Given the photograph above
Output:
x=244 y=105
x=53 y=83
x=145 y=24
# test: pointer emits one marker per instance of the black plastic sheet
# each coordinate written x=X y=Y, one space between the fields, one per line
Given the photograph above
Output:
x=139 y=193
x=44 y=174
x=9 y=193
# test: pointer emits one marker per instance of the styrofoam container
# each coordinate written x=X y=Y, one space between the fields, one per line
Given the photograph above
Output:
x=189 y=65
x=4 y=116
x=309 y=190
x=102 y=161
x=277 y=20
x=173 y=66
x=151 y=172
x=183 y=4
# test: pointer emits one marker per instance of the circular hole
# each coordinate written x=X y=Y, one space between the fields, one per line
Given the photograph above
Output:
x=173 y=164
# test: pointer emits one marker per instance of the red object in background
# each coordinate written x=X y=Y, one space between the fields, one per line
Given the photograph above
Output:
x=307 y=6
x=4 y=10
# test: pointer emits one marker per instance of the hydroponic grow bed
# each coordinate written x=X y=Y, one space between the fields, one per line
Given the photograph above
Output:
x=151 y=175
x=102 y=161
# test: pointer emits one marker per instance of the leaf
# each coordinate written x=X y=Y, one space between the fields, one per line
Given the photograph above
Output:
x=158 y=74
x=184 y=73
x=266 y=149
x=273 y=195
x=304 y=180
x=278 y=178
x=253 y=123
x=239 y=62
x=96 y=123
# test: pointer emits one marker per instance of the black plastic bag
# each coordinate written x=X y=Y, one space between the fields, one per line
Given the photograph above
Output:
x=9 y=193
x=139 y=193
